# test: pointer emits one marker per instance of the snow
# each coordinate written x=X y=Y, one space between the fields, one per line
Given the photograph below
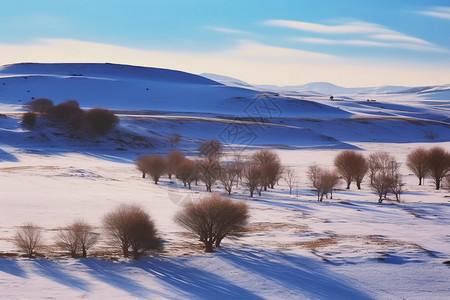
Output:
x=348 y=247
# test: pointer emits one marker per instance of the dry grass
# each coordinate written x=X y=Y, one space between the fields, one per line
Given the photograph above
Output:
x=257 y=227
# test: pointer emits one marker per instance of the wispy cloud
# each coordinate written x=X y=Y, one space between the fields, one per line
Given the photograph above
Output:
x=419 y=46
x=373 y=35
x=347 y=28
x=227 y=30
x=440 y=12
x=253 y=49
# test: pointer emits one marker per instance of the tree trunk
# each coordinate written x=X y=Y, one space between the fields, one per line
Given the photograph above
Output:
x=125 y=251
x=218 y=241
x=358 y=185
x=420 y=181
x=438 y=184
x=348 y=184
x=170 y=176
x=84 y=252
x=209 y=246
x=143 y=174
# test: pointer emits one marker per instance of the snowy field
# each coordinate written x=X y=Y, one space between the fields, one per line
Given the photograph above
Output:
x=348 y=247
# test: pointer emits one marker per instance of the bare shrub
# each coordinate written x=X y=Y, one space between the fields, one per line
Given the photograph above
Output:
x=351 y=165
x=174 y=159
x=100 y=120
x=213 y=218
x=209 y=170
x=252 y=178
x=29 y=120
x=28 y=239
x=270 y=166
x=291 y=178
x=142 y=163
x=155 y=166
x=65 y=110
x=186 y=172
x=174 y=139
x=384 y=175
x=322 y=180
x=131 y=229
x=438 y=164
x=417 y=163
x=41 y=105
x=211 y=149
x=78 y=236
x=228 y=176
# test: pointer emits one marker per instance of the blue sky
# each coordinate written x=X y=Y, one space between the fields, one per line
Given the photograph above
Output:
x=351 y=43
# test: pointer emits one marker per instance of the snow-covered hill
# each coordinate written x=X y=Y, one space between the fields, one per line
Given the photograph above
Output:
x=348 y=247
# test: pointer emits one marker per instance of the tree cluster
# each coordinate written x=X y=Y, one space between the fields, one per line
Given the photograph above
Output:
x=95 y=120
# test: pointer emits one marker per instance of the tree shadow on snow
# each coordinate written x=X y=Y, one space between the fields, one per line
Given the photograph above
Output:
x=296 y=273
x=52 y=270
x=5 y=156
x=192 y=282
x=112 y=274
x=12 y=267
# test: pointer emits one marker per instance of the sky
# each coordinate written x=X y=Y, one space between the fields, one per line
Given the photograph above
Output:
x=285 y=42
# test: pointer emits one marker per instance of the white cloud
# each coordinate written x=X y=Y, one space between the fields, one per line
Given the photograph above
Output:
x=348 y=28
x=394 y=42
x=268 y=65
x=252 y=50
x=399 y=38
x=441 y=12
x=227 y=30
x=342 y=42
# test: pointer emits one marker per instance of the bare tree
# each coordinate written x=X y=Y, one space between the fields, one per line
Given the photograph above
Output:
x=438 y=164
x=142 y=164
x=322 y=180
x=29 y=120
x=78 y=236
x=417 y=163
x=228 y=176
x=28 y=238
x=42 y=105
x=100 y=120
x=351 y=165
x=174 y=159
x=173 y=139
x=384 y=175
x=211 y=149
x=213 y=218
x=156 y=166
x=252 y=178
x=271 y=168
x=209 y=170
x=186 y=171
x=131 y=228
x=291 y=178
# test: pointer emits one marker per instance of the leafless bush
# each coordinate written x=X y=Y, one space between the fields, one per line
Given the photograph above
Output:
x=438 y=164
x=100 y=120
x=213 y=218
x=209 y=170
x=351 y=165
x=173 y=139
x=228 y=176
x=130 y=228
x=252 y=178
x=291 y=178
x=417 y=163
x=384 y=175
x=174 y=159
x=323 y=181
x=142 y=164
x=271 y=168
x=29 y=119
x=42 y=105
x=28 y=238
x=155 y=166
x=211 y=149
x=186 y=172
x=78 y=236
x=65 y=110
